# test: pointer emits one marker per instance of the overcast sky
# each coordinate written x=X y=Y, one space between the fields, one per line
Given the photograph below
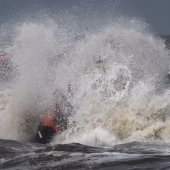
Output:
x=156 y=13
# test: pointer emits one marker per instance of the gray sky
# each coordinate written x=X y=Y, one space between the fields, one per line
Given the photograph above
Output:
x=156 y=13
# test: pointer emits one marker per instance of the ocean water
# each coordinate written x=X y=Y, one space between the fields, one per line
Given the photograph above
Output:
x=110 y=82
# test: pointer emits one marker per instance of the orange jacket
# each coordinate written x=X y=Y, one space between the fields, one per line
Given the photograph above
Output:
x=49 y=121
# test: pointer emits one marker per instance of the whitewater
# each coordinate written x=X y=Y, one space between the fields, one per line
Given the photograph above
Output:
x=110 y=82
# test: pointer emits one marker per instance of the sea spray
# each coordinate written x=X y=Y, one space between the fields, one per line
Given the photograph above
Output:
x=120 y=88
x=110 y=82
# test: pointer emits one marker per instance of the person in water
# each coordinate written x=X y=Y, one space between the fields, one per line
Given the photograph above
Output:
x=54 y=122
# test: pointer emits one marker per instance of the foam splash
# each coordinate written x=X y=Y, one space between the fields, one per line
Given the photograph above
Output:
x=116 y=80
x=121 y=89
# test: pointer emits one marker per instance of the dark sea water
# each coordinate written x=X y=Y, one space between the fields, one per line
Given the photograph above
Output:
x=130 y=156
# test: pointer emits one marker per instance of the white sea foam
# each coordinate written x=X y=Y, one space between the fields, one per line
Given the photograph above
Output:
x=117 y=77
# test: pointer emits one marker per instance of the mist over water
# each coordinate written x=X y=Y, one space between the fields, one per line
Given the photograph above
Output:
x=110 y=82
